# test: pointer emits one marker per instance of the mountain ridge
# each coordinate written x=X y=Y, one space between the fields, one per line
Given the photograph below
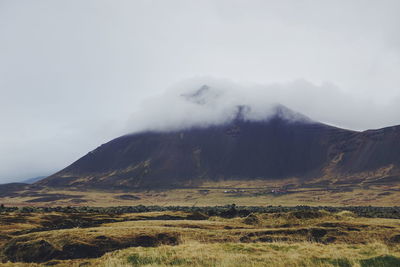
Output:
x=277 y=147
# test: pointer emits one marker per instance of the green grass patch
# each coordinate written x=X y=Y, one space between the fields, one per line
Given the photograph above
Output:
x=340 y=262
x=381 y=261
x=138 y=260
x=179 y=261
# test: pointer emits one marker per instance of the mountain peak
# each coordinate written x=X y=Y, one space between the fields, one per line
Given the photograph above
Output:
x=212 y=98
x=282 y=112
x=201 y=96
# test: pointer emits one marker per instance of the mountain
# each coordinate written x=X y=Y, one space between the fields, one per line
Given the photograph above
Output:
x=33 y=179
x=284 y=145
x=11 y=189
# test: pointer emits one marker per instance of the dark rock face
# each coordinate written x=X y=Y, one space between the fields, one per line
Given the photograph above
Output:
x=371 y=150
x=242 y=149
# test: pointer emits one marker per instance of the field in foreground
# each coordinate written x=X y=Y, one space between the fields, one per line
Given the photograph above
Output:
x=224 y=236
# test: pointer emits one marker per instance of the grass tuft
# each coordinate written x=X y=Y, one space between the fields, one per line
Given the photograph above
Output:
x=138 y=260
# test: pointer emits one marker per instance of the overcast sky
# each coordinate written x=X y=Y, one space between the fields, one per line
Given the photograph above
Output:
x=75 y=74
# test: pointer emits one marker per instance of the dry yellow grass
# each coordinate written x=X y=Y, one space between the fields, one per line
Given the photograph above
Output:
x=255 y=254
x=256 y=194
x=281 y=239
x=279 y=254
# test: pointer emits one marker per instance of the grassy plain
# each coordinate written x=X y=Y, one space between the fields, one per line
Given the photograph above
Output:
x=176 y=238
x=295 y=238
x=244 y=193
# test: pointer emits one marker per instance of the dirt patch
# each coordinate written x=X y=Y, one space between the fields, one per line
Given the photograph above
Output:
x=68 y=221
x=316 y=234
x=287 y=225
x=80 y=250
x=384 y=194
x=7 y=219
x=395 y=239
x=53 y=197
x=75 y=220
x=344 y=226
x=197 y=216
x=77 y=201
x=127 y=197
x=307 y=214
x=4 y=237
x=23 y=250
x=252 y=219
x=167 y=217
x=153 y=241
x=33 y=251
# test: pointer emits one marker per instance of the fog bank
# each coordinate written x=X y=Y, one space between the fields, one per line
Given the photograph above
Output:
x=206 y=101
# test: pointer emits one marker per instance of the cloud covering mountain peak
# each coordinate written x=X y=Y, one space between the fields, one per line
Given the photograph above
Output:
x=197 y=104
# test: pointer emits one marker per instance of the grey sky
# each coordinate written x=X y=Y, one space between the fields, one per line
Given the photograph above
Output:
x=74 y=74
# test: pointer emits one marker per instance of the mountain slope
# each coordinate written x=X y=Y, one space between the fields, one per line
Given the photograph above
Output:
x=33 y=179
x=275 y=148
x=284 y=145
x=370 y=156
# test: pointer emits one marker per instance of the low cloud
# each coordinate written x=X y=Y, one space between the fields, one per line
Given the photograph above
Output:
x=205 y=101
